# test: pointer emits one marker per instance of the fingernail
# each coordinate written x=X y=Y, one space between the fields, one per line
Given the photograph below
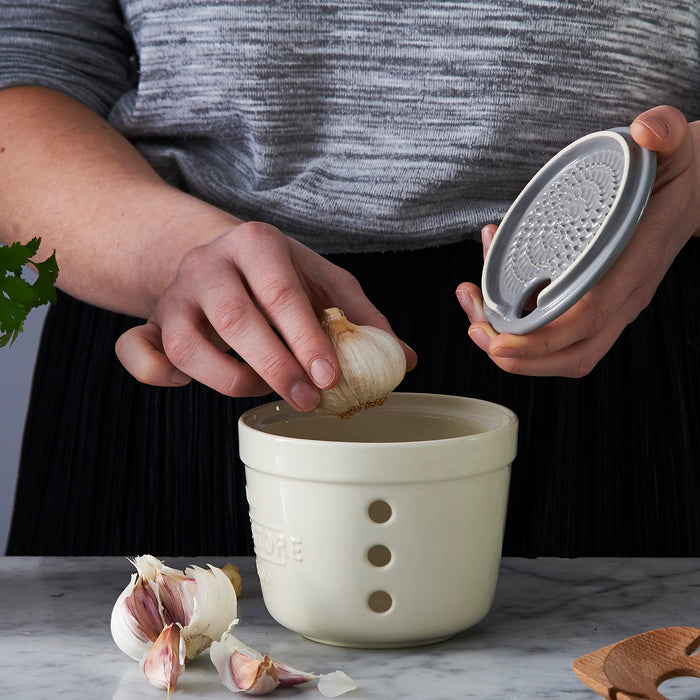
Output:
x=505 y=352
x=322 y=372
x=480 y=337
x=466 y=302
x=655 y=125
x=304 y=395
x=178 y=377
x=486 y=239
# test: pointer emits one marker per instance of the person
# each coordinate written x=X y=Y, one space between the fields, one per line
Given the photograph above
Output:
x=212 y=175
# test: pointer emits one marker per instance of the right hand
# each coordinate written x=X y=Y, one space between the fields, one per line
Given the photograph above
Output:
x=259 y=293
x=572 y=344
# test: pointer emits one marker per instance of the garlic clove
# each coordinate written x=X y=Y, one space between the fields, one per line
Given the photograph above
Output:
x=165 y=661
x=215 y=606
x=331 y=685
x=252 y=676
x=243 y=669
x=372 y=364
x=144 y=606
x=132 y=634
x=221 y=653
x=291 y=676
x=176 y=594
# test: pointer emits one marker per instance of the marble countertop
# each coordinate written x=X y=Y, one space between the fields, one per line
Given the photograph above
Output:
x=55 y=640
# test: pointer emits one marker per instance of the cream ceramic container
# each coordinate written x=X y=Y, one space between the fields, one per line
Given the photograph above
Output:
x=383 y=529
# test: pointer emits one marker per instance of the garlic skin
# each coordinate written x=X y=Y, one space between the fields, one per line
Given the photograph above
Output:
x=372 y=364
x=201 y=604
x=332 y=685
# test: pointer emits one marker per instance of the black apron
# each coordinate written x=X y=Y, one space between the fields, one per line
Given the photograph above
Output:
x=607 y=465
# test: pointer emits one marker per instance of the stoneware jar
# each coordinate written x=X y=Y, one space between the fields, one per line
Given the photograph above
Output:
x=383 y=529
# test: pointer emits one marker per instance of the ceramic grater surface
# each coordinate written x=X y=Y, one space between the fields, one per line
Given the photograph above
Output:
x=565 y=229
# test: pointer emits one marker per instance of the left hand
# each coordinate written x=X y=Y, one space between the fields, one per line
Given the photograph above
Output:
x=572 y=345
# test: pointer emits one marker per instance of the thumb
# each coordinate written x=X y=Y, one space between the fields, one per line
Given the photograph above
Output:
x=140 y=350
x=665 y=130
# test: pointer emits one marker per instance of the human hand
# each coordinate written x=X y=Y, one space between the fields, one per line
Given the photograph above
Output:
x=571 y=345
x=257 y=292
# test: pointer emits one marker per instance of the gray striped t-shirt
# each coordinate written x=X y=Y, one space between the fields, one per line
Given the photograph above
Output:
x=358 y=124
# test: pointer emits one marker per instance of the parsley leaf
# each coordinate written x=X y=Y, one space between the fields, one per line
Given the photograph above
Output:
x=19 y=296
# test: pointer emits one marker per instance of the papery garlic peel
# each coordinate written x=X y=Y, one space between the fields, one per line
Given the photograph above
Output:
x=372 y=365
x=201 y=603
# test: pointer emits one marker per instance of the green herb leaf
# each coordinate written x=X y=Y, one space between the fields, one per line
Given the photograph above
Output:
x=19 y=296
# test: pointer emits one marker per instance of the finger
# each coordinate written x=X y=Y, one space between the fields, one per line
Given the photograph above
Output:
x=480 y=331
x=666 y=131
x=662 y=129
x=569 y=346
x=588 y=318
x=574 y=361
x=574 y=325
x=482 y=335
x=487 y=234
x=346 y=293
x=140 y=350
x=186 y=339
x=589 y=325
x=239 y=322
x=283 y=303
x=471 y=301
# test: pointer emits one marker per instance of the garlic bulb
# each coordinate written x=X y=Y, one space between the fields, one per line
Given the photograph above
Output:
x=372 y=364
x=165 y=617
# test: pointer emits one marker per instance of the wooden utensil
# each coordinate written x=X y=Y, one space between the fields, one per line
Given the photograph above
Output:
x=634 y=668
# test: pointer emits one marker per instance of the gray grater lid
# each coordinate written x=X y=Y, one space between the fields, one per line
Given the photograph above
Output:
x=565 y=229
